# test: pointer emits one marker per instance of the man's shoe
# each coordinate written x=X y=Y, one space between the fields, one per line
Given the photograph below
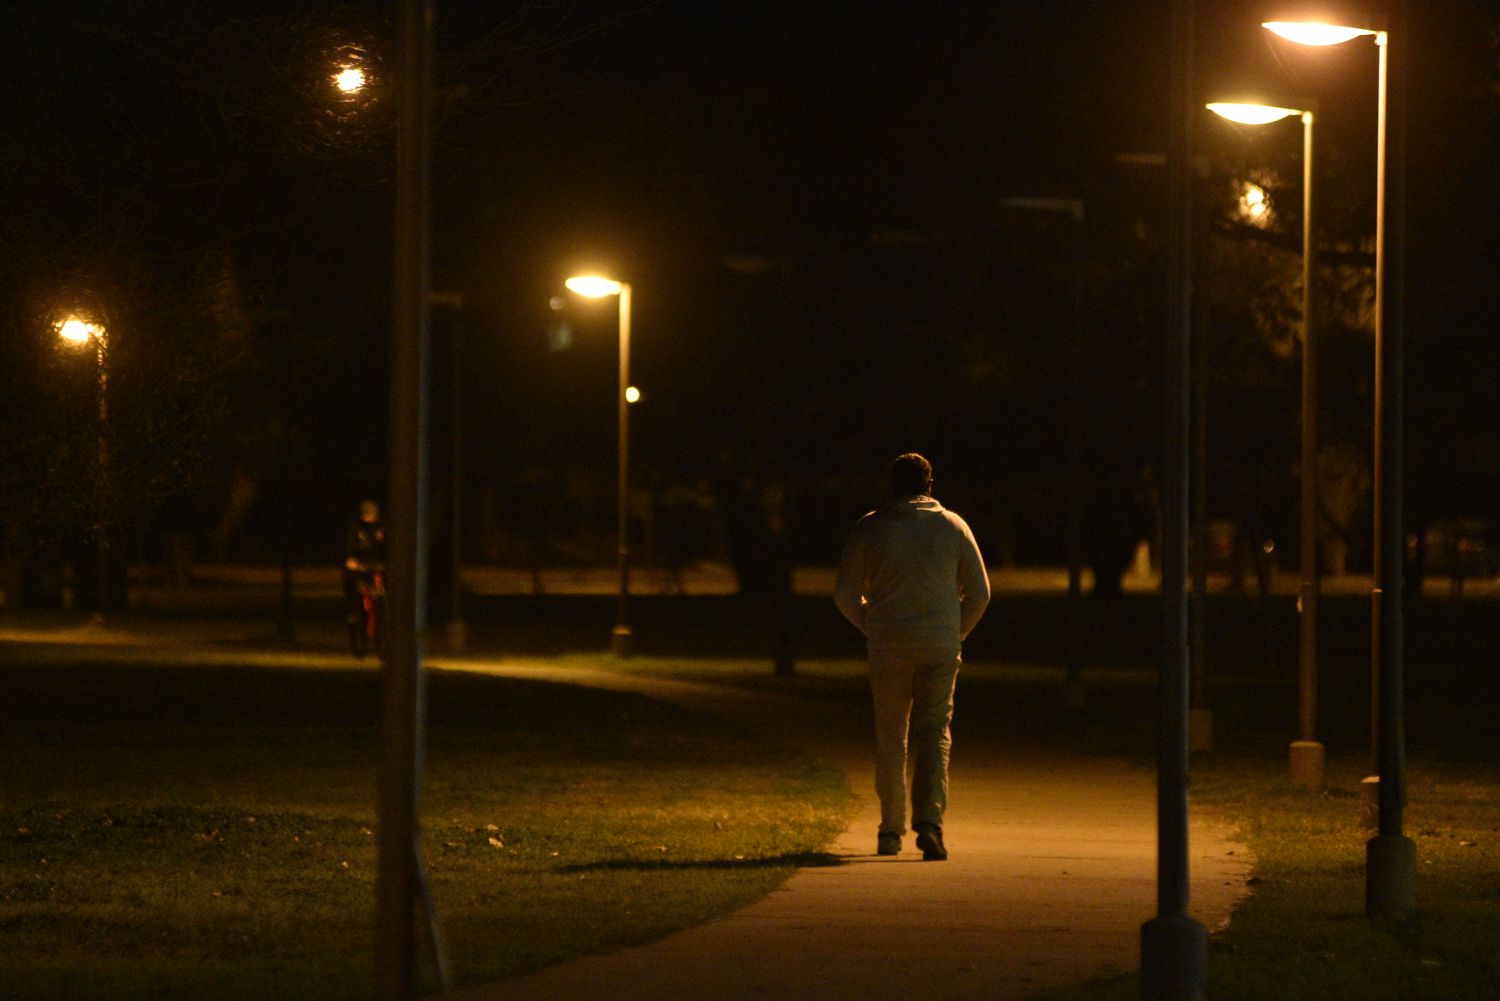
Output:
x=930 y=840
x=887 y=844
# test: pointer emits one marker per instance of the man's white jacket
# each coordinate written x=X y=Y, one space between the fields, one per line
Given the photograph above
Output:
x=911 y=578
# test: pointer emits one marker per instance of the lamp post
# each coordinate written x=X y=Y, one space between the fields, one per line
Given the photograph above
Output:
x=1390 y=857
x=1306 y=754
x=401 y=872
x=594 y=287
x=1174 y=945
x=80 y=331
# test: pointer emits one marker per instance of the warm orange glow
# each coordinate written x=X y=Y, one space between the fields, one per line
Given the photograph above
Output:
x=1254 y=205
x=76 y=330
x=1313 y=33
x=1251 y=114
x=350 y=80
x=593 y=286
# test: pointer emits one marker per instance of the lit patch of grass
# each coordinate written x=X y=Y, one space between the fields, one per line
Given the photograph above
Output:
x=195 y=831
x=1303 y=933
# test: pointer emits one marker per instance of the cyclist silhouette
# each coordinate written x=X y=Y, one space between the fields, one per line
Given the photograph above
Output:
x=364 y=564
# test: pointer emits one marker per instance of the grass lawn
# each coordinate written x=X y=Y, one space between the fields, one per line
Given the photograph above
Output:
x=1302 y=932
x=192 y=830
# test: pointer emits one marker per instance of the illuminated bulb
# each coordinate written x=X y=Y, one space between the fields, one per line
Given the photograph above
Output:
x=76 y=331
x=350 y=80
x=1251 y=114
x=593 y=286
x=1312 y=33
x=632 y=395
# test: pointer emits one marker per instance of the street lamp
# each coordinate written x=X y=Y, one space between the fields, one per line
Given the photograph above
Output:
x=80 y=331
x=1390 y=857
x=349 y=80
x=1174 y=945
x=594 y=287
x=1306 y=752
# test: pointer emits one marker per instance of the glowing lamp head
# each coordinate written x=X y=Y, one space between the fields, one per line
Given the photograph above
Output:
x=349 y=80
x=1251 y=114
x=593 y=286
x=1315 y=33
x=632 y=395
x=76 y=330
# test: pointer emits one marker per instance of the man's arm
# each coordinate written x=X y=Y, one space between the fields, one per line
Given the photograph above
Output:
x=848 y=592
x=973 y=584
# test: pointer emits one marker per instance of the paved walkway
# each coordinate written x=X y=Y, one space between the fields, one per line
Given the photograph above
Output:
x=1051 y=875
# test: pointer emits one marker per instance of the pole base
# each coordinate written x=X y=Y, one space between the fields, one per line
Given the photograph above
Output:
x=1200 y=730
x=1307 y=764
x=1390 y=877
x=457 y=635
x=620 y=641
x=1174 y=959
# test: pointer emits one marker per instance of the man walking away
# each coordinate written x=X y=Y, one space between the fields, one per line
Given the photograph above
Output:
x=913 y=581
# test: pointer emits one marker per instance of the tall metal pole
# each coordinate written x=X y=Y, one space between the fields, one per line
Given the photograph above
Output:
x=1306 y=752
x=457 y=633
x=1379 y=570
x=1173 y=945
x=101 y=554
x=1200 y=716
x=620 y=639
x=403 y=709
x=1390 y=856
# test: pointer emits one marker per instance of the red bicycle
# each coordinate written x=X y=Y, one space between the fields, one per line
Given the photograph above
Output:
x=367 y=629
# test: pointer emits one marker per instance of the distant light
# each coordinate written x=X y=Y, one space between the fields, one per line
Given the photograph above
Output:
x=593 y=286
x=632 y=395
x=1251 y=114
x=1254 y=205
x=77 y=331
x=350 y=80
x=557 y=303
x=1313 y=33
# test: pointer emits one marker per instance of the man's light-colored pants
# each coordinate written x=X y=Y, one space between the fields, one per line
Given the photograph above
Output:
x=913 y=693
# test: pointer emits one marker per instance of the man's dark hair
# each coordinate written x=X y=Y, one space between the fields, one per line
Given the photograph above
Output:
x=911 y=474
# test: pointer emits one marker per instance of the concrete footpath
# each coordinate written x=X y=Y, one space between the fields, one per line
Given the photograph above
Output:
x=1052 y=872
